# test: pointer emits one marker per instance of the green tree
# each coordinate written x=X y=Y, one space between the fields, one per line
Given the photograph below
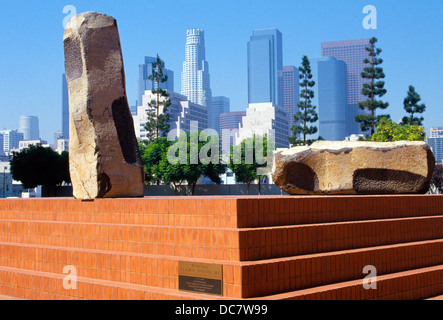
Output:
x=158 y=118
x=193 y=155
x=412 y=106
x=374 y=88
x=40 y=166
x=249 y=159
x=388 y=130
x=152 y=154
x=307 y=113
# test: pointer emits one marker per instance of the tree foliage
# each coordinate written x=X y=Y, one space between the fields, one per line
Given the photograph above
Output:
x=40 y=166
x=388 y=130
x=373 y=89
x=158 y=118
x=248 y=157
x=191 y=156
x=307 y=113
x=412 y=106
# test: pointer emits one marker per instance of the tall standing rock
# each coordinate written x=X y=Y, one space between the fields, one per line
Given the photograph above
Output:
x=104 y=159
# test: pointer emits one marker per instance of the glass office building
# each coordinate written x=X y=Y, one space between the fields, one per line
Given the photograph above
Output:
x=291 y=93
x=352 y=52
x=219 y=105
x=330 y=98
x=265 y=67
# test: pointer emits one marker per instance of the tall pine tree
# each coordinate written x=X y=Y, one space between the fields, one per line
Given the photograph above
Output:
x=307 y=113
x=373 y=89
x=412 y=107
x=158 y=118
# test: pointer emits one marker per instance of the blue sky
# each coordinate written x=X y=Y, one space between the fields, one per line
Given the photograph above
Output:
x=32 y=61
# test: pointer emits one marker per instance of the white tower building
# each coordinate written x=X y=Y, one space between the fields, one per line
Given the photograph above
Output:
x=195 y=83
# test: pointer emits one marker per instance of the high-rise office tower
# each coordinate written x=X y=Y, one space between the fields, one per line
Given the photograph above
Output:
x=265 y=67
x=195 y=83
x=352 y=52
x=28 y=125
x=291 y=95
x=65 y=108
x=143 y=82
x=219 y=105
x=330 y=97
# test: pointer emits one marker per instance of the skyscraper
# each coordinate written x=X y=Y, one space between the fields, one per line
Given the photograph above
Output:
x=28 y=125
x=330 y=97
x=65 y=108
x=265 y=67
x=195 y=83
x=291 y=95
x=352 y=52
x=143 y=82
x=219 y=105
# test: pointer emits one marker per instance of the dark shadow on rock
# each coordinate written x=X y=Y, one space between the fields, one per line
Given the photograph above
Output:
x=387 y=181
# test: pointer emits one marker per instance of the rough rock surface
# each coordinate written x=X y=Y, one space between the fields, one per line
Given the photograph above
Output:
x=104 y=159
x=354 y=167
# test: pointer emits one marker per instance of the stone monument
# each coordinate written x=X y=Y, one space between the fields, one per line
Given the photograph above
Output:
x=104 y=159
x=355 y=167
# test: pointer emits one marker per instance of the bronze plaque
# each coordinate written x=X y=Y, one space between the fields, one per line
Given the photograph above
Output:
x=200 y=277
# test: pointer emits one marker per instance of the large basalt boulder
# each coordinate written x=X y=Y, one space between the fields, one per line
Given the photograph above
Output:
x=354 y=167
x=104 y=159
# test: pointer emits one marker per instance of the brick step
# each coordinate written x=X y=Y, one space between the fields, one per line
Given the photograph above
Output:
x=2 y=298
x=149 y=270
x=277 y=242
x=223 y=211
x=416 y=284
x=224 y=244
x=407 y=285
x=35 y=285
x=255 y=278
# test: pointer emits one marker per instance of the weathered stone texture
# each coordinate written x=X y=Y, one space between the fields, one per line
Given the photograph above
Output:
x=104 y=158
x=354 y=167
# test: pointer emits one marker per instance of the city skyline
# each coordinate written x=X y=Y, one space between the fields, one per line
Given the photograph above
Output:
x=410 y=52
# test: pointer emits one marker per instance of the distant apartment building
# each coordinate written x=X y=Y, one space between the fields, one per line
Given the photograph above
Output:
x=62 y=145
x=435 y=141
x=144 y=83
x=352 y=52
x=265 y=118
x=181 y=113
x=230 y=123
x=11 y=139
x=27 y=143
